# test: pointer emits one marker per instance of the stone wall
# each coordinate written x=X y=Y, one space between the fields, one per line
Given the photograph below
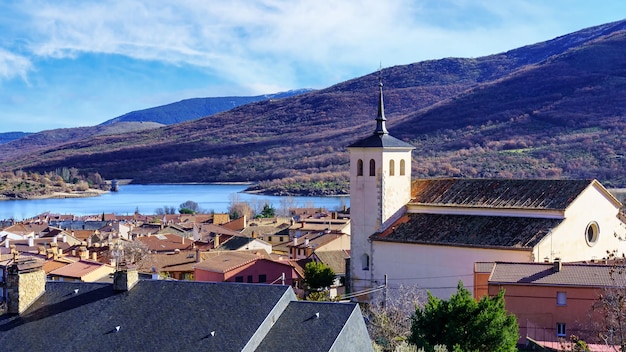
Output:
x=23 y=289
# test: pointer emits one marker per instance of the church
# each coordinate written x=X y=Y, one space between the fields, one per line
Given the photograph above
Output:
x=431 y=233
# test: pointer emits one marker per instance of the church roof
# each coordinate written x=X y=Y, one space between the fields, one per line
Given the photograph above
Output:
x=498 y=193
x=469 y=230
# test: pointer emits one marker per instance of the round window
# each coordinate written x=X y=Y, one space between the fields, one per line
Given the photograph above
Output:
x=592 y=233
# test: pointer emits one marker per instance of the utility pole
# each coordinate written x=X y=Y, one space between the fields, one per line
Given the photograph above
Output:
x=385 y=293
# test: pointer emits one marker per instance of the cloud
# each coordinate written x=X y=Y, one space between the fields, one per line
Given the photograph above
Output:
x=278 y=42
x=13 y=65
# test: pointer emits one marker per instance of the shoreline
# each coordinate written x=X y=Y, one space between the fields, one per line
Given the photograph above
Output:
x=61 y=195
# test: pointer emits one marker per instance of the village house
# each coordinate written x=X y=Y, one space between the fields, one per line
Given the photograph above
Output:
x=246 y=266
x=552 y=301
x=430 y=233
x=166 y=315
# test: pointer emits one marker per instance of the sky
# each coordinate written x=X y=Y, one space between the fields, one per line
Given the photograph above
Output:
x=79 y=63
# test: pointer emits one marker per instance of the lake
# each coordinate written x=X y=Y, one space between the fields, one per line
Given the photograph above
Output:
x=148 y=198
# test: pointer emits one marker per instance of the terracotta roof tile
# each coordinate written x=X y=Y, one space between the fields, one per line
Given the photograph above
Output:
x=596 y=275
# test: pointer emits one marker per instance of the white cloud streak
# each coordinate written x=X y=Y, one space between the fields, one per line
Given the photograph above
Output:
x=272 y=43
x=14 y=65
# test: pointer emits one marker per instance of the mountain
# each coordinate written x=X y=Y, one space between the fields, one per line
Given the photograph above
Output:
x=191 y=109
x=7 y=137
x=550 y=110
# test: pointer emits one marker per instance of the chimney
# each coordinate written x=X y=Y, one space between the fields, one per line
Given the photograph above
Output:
x=89 y=242
x=125 y=278
x=182 y=239
x=64 y=238
x=306 y=242
x=31 y=242
x=94 y=256
x=254 y=234
x=295 y=241
x=26 y=282
x=216 y=240
x=54 y=239
x=6 y=243
x=197 y=255
x=557 y=265
x=83 y=253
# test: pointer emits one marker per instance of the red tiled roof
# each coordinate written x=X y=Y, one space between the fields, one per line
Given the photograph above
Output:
x=594 y=275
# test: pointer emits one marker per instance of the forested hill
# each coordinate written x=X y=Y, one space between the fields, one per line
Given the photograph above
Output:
x=553 y=109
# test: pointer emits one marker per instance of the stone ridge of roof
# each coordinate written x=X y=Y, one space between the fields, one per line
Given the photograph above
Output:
x=497 y=193
x=545 y=274
x=468 y=230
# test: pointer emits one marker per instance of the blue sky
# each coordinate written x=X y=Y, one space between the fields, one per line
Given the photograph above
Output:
x=79 y=63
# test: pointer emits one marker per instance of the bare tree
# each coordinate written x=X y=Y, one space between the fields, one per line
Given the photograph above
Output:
x=611 y=305
x=130 y=252
x=388 y=319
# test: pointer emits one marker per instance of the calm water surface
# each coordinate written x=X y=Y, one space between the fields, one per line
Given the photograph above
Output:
x=147 y=198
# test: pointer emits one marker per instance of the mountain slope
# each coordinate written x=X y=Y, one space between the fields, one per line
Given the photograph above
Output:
x=191 y=109
x=553 y=109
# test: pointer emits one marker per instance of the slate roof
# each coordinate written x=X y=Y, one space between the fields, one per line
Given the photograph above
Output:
x=152 y=317
x=570 y=274
x=380 y=141
x=498 y=193
x=299 y=328
x=236 y=242
x=472 y=230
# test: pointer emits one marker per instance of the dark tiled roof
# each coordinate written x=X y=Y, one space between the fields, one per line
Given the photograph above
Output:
x=235 y=243
x=380 y=141
x=498 y=231
x=299 y=329
x=498 y=193
x=153 y=316
x=336 y=260
x=594 y=275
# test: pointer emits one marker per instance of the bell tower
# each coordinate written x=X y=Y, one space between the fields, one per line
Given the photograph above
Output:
x=380 y=187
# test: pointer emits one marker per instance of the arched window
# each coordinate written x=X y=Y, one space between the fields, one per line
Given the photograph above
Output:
x=365 y=262
x=392 y=166
x=359 y=167
x=402 y=167
x=372 y=167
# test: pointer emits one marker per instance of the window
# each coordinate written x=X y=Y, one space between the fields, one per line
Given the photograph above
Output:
x=402 y=167
x=282 y=239
x=359 y=167
x=263 y=278
x=391 y=167
x=561 y=298
x=372 y=167
x=592 y=232
x=238 y=278
x=250 y=278
x=269 y=238
x=560 y=329
x=365 y=262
